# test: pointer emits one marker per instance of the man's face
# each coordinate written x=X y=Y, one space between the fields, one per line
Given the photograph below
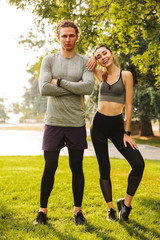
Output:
x=67 y=38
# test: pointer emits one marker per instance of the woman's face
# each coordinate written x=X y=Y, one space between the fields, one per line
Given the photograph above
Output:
x=104 y=57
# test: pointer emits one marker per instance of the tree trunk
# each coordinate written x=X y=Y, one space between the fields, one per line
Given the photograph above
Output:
x=146 y=129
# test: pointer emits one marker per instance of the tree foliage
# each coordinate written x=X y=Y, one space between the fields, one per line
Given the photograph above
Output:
x=34 y=105
x=130 y=27
x=3 y=112
x=146 y=107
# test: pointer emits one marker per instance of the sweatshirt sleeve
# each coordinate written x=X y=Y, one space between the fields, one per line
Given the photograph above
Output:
x=45 y=87
x=81 y=88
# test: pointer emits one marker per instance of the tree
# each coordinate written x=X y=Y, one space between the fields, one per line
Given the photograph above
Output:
x=3 y=113
x=131 y=28
x=146 y=108
x=34 y=105
x=16 y=108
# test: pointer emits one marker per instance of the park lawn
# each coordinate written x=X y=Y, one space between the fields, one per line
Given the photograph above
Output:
x=152 y=141
x=20 y=178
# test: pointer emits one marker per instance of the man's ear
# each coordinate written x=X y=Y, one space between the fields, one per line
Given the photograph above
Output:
x=58 y=37
x=77 y=38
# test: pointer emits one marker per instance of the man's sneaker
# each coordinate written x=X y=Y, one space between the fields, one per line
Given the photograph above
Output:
x=79 y=218
x=41 y=218
x=111 y=215
x=124 y=211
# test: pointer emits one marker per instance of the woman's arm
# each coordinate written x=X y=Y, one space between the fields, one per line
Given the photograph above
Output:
x=98 y=74
x=91 y=66
x=128 y=83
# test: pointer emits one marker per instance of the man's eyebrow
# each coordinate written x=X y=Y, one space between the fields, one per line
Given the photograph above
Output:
x=64 y=35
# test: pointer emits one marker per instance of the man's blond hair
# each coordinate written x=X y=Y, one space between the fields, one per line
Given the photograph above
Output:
x=67 y=23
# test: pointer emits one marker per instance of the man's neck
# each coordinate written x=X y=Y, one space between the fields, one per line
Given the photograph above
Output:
x=68 y=54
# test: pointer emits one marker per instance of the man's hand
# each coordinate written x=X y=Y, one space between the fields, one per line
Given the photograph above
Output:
x=54 y=81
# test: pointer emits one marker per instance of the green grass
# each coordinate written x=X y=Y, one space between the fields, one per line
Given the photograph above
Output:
x=151 y=141
x=19 y=202
x=155 y=141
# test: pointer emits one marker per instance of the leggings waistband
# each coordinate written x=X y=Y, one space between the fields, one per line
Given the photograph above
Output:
x=109 y=117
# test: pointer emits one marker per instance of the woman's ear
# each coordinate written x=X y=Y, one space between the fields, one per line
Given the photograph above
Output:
x=112 y=53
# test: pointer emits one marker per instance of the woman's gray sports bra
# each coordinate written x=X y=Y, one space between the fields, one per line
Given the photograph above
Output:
x=114 y=92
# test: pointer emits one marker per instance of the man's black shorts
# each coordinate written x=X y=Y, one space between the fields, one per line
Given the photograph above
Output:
x=56 y=137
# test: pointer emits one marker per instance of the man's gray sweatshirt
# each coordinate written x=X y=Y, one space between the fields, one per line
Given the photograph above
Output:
x=65 y=106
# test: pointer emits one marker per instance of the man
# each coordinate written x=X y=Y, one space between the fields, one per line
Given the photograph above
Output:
x=65 y=79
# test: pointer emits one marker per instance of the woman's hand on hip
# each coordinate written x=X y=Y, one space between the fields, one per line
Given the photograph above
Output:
x=128 y=139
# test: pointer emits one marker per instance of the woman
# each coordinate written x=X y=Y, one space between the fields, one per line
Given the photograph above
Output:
x=116 y=90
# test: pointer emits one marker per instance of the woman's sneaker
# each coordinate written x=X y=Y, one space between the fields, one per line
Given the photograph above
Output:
x=79 y=218
x=111 y=215
x=124 y=211
x=41 y=218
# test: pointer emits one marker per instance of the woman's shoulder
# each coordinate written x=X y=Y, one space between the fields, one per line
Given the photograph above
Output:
x=126 y=73
x=127 y=76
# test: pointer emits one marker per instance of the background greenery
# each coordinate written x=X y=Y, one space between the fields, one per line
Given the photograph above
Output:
x=131 y=28
x=20 y=178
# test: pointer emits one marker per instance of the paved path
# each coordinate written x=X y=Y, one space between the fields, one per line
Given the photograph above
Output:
x=20 y=142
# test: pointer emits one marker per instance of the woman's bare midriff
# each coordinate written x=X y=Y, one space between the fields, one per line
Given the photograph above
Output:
x=110 y=108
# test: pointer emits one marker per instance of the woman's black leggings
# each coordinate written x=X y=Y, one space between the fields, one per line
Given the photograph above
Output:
x=112 y=127
x=51 y=164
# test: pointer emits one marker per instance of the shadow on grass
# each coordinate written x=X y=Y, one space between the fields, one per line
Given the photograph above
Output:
x=61 y=236
x=23 y=228
x=20 y=228
x=55 y=232
x=98 y=231
x=151 y=203
x=6 y=220
x=139 y=230
x=10 y=223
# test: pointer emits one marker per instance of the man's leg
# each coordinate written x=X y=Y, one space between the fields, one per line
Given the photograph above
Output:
x=51 y=164
x=76 y=165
